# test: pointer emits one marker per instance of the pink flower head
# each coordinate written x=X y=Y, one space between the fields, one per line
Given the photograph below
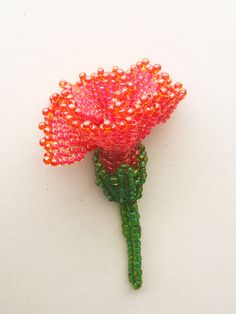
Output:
x=112 y=110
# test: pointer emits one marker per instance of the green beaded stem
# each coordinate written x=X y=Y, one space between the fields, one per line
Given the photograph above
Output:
x=125 y=187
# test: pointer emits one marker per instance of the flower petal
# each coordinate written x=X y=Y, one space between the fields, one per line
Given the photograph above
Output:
x=62 y=142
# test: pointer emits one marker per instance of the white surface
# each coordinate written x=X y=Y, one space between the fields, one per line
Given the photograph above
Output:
x=62 y=251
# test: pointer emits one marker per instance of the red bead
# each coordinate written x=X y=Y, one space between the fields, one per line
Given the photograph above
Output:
x=42 y=125
x=82 y=75
x=47 y=160
x=42 y=142
x=145 y=61
x=54 y=162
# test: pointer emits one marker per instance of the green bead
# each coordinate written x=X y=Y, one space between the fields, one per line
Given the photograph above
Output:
x=122 y=191
x=114 y=180
x=137 y=236
x=98 y=181
x=142 y=171
x=120 y=172
x=145 y=176
x=142 y=164
x=98 y=166
x=134 y=222
x=137 y=265
x=138 y=277
x=137 y=257
x=133 y=208
x=102 y=173
x=142 y=180
x=136 y=229
x=132 y=199
x=130 y=180
x=135 y=172
x=95 y=158
x=138 y=272
x=122 y=201
x=137 y=284
x=132 y=194
x=129 y=244
x=136 y=243
x=132 y=214
x=126 y=230
x=139 y=195
x=120 y=178
x=137 y=250
x=141 y=156
x=131 y=277
x=124 y=216
x=129 y=170
x=131 y=264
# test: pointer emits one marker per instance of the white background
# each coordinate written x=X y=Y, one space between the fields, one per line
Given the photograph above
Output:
x=61 y=247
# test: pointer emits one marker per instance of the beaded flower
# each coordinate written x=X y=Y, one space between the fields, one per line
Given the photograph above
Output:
x=111 y=113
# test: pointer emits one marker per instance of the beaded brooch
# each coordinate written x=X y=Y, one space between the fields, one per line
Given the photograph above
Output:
x=111 y=113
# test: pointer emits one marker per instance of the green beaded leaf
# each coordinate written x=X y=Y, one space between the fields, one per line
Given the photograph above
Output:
x=125 y=186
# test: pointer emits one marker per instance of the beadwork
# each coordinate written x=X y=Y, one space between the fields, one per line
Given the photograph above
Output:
x=111 y=112
x=124 y=186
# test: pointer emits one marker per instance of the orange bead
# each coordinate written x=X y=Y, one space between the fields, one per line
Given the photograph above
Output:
x=100 y=71
x=42 y=142
x=42 y=125
x=139 y=64
x=62 y=83
x=120 y=72
x=47 y=160
x=115 y=69
x=47 y=130
x=54 y=162
x=88 y=79
x=145 y=61
x=157 y=67
x=45 y=111
x=82 y=76
x=178 y=85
